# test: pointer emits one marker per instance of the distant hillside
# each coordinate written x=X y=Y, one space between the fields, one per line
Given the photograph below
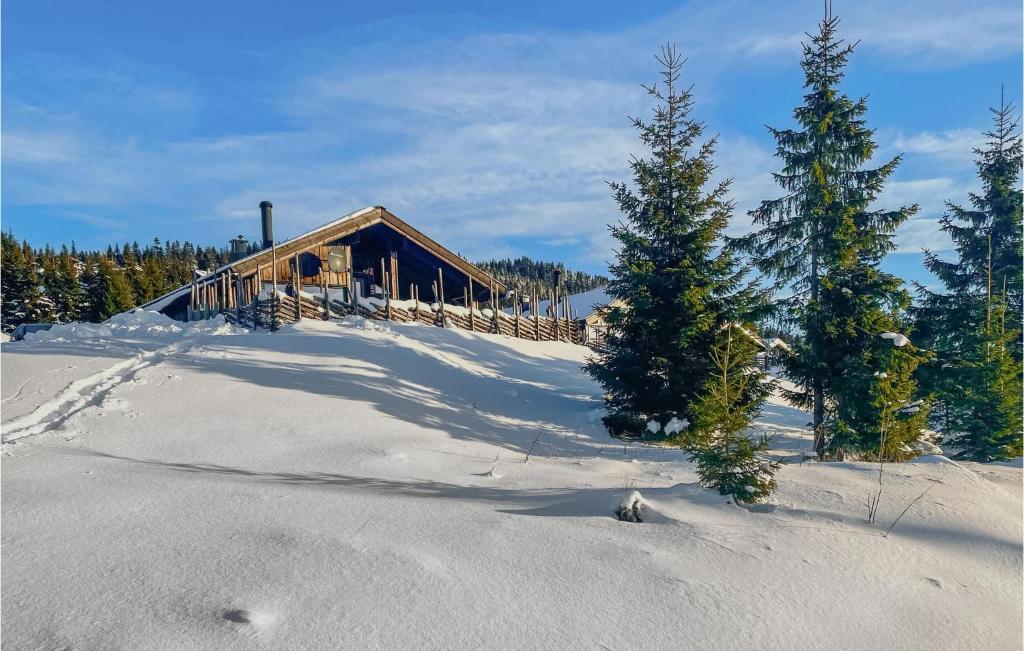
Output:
x=532 y=274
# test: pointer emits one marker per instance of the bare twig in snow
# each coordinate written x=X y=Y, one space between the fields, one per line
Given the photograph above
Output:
x=912 y=503
x=532 y=446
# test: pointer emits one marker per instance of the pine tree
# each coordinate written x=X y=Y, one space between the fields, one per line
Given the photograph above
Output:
x=822 y=242
x=23 y=300
x=13 y=283
x=108 y=291
x=138 y=280
x=975 y=325
x=725 y=455
x=47 y=310
x=678 y=290
x=67 y=293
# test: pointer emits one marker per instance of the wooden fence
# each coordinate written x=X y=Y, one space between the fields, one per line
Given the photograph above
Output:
x=280 y=308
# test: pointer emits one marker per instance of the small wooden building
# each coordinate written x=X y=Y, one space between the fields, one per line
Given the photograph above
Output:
x=368 y=253
x=368 y=262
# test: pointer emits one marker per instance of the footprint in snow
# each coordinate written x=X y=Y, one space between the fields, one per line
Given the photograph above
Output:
x=114 y=403
x=238 y=616
x=256 y=619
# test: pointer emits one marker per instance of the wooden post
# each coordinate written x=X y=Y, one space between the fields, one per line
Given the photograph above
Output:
x=239 y=292
x=351 y=280
x=273 y=299
x=490 y=301
x=533 y=311
x=296 y=284
x=327 y=301
x=256 y=296
x=440 y=293
x=553 y=306
x=387 y=296
x=192 y=297
x=518 y=307
x=414 y=292
x=393 y=285
x=468 y=299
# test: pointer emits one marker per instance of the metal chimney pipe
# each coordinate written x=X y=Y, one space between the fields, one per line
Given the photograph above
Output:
x=239 y=248
x=267 y=220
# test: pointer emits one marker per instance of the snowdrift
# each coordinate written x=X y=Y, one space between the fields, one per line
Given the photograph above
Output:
x=132 y=325
x=359 y=484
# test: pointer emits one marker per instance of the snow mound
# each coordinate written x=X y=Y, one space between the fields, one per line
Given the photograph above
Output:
x=631 y=507
x=139 y=324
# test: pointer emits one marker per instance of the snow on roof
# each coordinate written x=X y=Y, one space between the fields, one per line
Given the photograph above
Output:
x=160 y=303
x=778 y=343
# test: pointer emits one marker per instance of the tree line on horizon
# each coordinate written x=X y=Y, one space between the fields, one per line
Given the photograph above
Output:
x=872 y=366
x=531 y=275
x=49 y=286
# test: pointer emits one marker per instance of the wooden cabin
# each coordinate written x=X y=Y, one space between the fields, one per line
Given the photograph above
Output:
x=370 y=253
x=369 y=263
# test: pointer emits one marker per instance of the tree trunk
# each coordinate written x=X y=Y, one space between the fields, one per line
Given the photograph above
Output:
x=817 y=383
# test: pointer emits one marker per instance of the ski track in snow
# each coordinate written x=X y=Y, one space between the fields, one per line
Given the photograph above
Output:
x=81 y=394
x=30 y=380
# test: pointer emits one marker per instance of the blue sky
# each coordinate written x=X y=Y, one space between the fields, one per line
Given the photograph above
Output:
x=492 y=126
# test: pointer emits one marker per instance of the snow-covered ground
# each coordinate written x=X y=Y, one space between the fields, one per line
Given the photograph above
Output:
x=358 y=484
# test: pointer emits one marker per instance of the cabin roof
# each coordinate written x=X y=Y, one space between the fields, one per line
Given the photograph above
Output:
x=345 y=225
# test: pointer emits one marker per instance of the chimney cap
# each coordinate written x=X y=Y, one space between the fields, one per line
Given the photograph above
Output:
x=266 y=204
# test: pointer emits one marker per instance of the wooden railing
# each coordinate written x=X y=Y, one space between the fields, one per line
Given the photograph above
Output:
x=272 y=312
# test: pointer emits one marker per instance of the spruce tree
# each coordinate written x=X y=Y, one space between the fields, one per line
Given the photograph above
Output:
x=20 y=289
x=821 y=243
x=726 y=456
x=13 y=283
x=47 y=310
x=108 y=292
x=974 y=326
x=69 y=299
x=676 y=289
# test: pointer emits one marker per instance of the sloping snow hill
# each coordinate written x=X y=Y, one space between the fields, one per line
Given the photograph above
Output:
x=364 y=485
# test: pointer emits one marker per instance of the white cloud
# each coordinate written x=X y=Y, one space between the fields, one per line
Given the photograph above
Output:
x=922 y=32
x=946 y=34
x=483 y=138
x=39 y=147
x=955 y=145
x=917 y=234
